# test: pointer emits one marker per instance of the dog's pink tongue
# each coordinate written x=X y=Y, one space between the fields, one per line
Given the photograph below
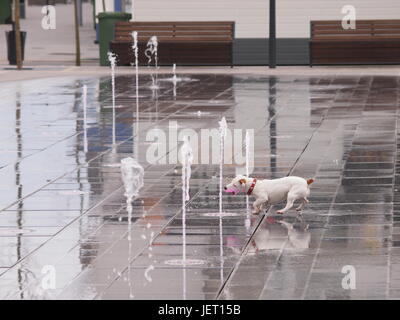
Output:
x=231 y=190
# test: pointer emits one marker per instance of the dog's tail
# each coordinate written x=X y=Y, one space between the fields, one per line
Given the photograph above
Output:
x=309 y=181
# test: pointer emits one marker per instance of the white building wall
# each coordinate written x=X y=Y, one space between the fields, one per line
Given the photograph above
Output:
x=252 y=16
x=293 y=16
x=99 y=6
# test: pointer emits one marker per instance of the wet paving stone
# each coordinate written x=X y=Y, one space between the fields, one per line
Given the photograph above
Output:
x=63 y=205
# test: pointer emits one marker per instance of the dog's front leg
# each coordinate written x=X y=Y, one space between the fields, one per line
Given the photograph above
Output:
x=258 y=205
x=304 y=201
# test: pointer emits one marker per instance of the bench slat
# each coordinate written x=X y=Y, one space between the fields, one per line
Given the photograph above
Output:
x=176 y=23
x=169 y=31
x=358 y=27
x=154 y=32
x=186 y=39
x=382 y=21
x=339 y=28
x=370 y=38
x=338 y=32
x=184 y=28
x=390 y=31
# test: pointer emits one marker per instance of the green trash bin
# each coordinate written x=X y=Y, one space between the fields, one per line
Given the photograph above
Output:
x=5 y=12
x=107 y=22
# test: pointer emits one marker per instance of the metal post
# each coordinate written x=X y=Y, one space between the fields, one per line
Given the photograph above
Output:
x=22 y=9
x=18 y=48
x=80 y=14
x=272 y=33
x=77 y=40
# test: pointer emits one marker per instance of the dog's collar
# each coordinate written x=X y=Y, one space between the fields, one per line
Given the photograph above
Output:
x=252 y=187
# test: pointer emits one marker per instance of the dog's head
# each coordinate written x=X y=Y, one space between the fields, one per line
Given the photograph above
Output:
x=237 y=185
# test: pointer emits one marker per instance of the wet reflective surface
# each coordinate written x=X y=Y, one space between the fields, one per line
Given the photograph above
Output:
x=63 y=208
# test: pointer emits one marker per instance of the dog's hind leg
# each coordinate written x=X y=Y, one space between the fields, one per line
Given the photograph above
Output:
x=289 y=204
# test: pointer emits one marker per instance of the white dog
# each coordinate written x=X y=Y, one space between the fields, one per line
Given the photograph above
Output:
x=272 y=191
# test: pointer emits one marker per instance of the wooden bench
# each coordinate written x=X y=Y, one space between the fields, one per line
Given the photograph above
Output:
x=183 y=43
x=372 y=42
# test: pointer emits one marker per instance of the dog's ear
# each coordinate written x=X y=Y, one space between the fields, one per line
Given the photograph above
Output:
x=241 y=181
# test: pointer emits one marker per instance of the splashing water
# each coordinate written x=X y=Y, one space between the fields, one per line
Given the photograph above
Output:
x=247 y=144
x=174 y=89
x=113 y=60
x=135 y=48
x=175 y=79
x=147 y=273
x=223 y=127
x=152 y=50
x=186 y=158
x=132 y=176
x=85 y=142
x=174 y=72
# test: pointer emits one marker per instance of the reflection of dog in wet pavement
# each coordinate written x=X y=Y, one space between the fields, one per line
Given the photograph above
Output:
x=278 y=234
x=272 y=191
